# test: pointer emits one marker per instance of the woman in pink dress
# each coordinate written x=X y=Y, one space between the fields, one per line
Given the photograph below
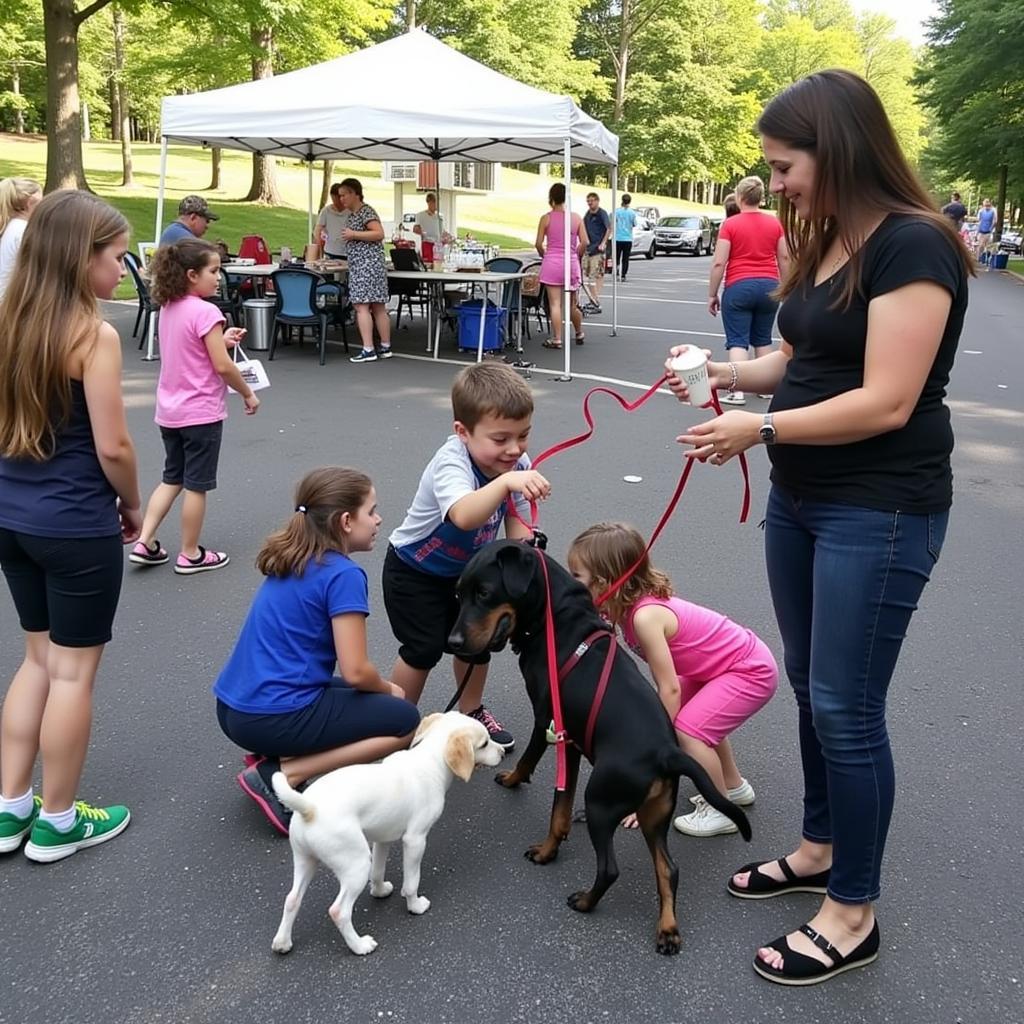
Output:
x=551 y=245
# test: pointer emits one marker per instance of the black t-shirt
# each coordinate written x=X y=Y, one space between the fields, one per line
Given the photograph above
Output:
x=596 y=224
x=902 y=470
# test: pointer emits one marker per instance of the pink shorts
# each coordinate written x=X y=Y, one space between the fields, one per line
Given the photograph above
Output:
x=711 y=710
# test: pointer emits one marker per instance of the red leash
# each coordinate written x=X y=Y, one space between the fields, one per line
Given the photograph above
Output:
x=555 y=676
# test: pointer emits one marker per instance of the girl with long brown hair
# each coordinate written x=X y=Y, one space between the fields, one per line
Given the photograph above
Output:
x=69 y=498
x=859 y=440
x=711 y=674
x=18 y=198
x=277 y=695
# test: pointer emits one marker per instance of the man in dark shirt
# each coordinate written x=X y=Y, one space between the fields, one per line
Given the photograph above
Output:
x=955 y=210
x=599 y=229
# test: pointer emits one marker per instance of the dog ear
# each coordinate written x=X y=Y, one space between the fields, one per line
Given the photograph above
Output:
x=424 y=725
x=458 y=754
x=517 y=568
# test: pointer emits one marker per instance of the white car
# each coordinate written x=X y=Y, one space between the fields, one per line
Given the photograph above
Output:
x=643 y=238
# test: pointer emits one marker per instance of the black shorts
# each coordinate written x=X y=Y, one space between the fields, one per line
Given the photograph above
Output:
x=66 y=586
x=339 y=716
x=422 y=609
x=192 y=454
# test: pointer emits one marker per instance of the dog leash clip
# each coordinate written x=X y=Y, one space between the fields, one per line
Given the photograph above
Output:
x=538 y=540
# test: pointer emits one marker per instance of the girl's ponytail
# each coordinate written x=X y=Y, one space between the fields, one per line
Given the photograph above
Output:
x=322 y=496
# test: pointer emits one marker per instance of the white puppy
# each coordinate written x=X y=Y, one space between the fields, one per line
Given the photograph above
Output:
x=401 y=797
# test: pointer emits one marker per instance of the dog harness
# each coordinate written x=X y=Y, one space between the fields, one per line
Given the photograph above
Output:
x=602 y=684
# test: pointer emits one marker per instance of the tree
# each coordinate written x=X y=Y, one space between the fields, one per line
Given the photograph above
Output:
x=61 y=22
x=120 y=95
x=22 y=57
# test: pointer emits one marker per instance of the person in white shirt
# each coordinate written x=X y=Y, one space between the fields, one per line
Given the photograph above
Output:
x=18 y=198
x=429 y=223
x=330 y=226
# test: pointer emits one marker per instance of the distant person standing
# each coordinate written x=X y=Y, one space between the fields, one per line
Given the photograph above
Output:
x=955 y=210
x=986 y=223
x=550 y=244
x=330 y=224
x=752 y=255
x=194 y=216
x=598 y=227
x=730 y=205
x=18 y=198
x=625 y=221
x=430 y=224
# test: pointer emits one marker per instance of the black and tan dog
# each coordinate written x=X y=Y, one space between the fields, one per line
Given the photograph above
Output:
x=637 y=761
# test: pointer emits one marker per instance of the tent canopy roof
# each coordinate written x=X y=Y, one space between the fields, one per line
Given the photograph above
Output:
x=410 y=98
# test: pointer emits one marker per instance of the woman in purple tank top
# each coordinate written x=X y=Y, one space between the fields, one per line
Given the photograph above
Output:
x=551 y=245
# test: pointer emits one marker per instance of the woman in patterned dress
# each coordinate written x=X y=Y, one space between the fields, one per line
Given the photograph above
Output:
x=367 y=277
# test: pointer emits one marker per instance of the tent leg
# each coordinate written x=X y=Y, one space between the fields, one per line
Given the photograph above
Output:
x=151 y=355
x=567 y=340
x=309 y=199
x=615 y=258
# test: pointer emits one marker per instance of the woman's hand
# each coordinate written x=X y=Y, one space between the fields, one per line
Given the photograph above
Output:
x=131 y=523
x=234 y=336
x=350 y=235
x=719 y=374
x=714 y=305
x=720 y=439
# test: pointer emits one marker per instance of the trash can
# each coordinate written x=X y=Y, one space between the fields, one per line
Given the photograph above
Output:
x=469 y=325
x=1000 y=260
x=259 y=323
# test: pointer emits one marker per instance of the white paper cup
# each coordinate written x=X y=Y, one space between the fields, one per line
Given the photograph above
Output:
x=691 y=367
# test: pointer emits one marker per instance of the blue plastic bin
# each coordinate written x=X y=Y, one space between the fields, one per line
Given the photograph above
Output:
x=469 y=325
x=1000 y=260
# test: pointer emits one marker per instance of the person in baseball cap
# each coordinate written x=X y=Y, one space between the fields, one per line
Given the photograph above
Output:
x=194 y=216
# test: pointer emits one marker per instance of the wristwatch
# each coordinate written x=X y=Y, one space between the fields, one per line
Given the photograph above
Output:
x=767 y=430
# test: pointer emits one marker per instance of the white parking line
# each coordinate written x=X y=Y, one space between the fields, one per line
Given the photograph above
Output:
x=664 y=330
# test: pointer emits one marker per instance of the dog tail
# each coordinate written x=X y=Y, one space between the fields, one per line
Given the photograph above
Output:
x=682 y=764
x=292 y=798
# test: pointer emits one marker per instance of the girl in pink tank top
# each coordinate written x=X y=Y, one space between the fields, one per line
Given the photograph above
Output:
x=711 y=674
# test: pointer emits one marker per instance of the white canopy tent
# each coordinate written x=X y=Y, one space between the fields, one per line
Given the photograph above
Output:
x=381 y=104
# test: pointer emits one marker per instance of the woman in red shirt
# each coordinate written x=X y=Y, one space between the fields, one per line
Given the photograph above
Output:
x=752 y=254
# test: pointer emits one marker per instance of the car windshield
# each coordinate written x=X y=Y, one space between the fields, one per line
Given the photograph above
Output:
x=680 y=222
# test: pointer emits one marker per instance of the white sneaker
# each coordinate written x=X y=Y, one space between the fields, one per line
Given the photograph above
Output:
x=742 y=795
x=734 y=398
x=704 y=821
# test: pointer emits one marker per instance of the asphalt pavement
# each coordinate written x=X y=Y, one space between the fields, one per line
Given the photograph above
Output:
x=172 y=922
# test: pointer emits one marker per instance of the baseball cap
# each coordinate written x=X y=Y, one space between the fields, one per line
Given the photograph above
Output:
x=196 y=204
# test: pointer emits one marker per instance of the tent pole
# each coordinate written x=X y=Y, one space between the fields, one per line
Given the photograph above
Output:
x=309 y=197
x=151 y=334
x=615 y=259
x=567 y=261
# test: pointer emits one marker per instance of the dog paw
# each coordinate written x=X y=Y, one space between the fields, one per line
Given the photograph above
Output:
x=580 y=901
x=508 y=779
x=417 y=904
x=669 y=943
x=281 y=944
x=363 y=944
x=541 y=853
x=381 y=891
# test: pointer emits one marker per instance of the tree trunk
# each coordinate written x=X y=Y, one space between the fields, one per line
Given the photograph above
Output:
x=115 y=106
x=19 y=114
x=325 y=184
x=1000 y=200
x=622 y=62
x=64 y=167
x=410 y=15
x=264 y=179
x=215 y=155
x=123 y=112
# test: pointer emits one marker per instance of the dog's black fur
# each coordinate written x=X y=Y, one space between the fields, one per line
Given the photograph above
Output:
x=636 y=758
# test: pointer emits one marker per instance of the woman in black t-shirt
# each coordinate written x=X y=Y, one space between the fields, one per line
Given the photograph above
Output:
x=859 y=440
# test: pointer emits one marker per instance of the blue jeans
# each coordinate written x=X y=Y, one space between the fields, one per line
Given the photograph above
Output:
x=845 y=582
x=748 y=314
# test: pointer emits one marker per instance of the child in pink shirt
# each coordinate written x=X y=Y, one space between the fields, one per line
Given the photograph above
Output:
x=711 y=673
x=191 y=398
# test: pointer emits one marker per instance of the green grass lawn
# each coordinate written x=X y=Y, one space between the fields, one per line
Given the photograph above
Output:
x=506 y=217
x=1016 y=264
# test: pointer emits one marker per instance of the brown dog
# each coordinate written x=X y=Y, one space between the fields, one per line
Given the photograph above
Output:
x=636 y=758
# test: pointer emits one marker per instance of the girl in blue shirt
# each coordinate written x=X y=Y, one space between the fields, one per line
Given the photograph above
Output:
x=278 y=695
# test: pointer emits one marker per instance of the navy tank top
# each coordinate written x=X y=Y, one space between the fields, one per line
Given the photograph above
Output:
x=67 y=495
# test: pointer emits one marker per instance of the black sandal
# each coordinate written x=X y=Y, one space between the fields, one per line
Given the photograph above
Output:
x=762 y=887
x=800 y=969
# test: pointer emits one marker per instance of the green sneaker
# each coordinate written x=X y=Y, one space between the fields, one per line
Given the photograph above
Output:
x=13 y=829
x=93 y=825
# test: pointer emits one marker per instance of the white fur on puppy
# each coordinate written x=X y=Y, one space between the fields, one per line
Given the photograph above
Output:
x=342 y=813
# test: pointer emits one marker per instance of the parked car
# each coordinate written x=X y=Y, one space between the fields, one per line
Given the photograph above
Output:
x=689 y=233
x=643 y=238
x=1010 y=242
x=717 y=220
x=651 y=213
